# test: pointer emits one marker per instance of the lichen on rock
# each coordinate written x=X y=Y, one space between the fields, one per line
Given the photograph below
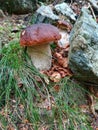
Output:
x=83 y=54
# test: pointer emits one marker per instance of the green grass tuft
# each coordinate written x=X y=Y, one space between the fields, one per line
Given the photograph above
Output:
x=21 y=92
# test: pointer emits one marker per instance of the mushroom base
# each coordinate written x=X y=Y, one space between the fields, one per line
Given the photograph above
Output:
x=41 y=56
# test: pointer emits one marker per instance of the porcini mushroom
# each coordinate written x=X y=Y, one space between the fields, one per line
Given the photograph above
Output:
x=37 y=38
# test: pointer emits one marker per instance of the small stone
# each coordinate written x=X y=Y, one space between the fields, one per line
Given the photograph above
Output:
x=45 y=14
x=65 y=9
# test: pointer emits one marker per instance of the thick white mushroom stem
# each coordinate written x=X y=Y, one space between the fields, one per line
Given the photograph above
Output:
x=41 y=56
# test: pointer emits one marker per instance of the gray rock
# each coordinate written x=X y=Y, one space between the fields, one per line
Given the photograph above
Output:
x=18 y=6
x=45 y=14
x=83 y=53
x=65 y=9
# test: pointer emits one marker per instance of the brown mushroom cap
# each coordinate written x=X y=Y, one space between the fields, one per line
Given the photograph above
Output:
x=38 y=34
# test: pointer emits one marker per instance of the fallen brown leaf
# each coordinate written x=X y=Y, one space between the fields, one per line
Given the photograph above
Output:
x=62 y=24
x=62 y=61
x=57 y=88
x=55 y=77
x=76 y=8
x=10 y=127
x=47 y=104
x=59 y=67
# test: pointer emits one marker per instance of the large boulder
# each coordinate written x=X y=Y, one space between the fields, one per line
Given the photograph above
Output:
x=18 y=6
x=83 y=53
